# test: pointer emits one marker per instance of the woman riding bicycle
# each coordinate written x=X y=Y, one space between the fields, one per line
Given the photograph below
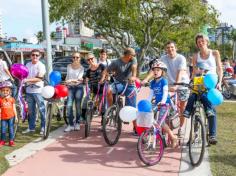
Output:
x=95 y=77
x=159 y=89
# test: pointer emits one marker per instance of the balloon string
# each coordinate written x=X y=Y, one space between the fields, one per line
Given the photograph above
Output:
x=21 y=101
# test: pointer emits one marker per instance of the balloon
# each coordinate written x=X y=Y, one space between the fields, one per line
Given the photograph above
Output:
x=128 y=113
x=48 y=92
x=215 y=97
x=19 y=71
x=55 y=78
x=144 y=106
x=60 y=91
x=137 y=83
x=210 y=80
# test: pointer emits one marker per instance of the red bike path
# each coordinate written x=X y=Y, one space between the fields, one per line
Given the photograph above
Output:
x=74 y=155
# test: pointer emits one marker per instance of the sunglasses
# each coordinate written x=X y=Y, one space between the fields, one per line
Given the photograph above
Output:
x=89 y=59
x=75 y=57
x=37 y=55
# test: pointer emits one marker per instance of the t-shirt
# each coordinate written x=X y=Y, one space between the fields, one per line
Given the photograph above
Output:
x=106 y=63
x=95 y=76
x=173 y=66
x=157 y=87
x=6 y=105
x=122 y=70
x=198 y=84
x=74 y=73
x=3 y=75
x=34 y=71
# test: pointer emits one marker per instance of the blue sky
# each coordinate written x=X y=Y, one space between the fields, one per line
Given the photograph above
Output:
x=23 y=19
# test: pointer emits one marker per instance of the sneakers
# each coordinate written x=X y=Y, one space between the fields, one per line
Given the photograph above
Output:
x=41 y=131
x=28 y=131
x=186 y=114
x=69 y=128
x=212 y=140
x=180 y=132
x=210 y=113
x=77 y=127
x=2 y=143
x=135 y=133
x=11 y=143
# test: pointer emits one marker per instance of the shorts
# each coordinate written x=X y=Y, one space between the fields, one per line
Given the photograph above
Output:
x=183 y=94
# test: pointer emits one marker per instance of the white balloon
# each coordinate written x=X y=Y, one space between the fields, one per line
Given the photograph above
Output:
x=128 y=113
x=48 y=91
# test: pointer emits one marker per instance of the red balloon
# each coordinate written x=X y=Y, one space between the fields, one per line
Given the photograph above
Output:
x=137 y=83
x=60 y=91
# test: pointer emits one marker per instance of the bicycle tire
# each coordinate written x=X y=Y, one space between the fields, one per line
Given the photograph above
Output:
x=64 y=113
x=197 y=135
x=111 y=125
x=16 y=124
x=226 y=92
x=48 y=121
x=88 y=120
x=146 y=147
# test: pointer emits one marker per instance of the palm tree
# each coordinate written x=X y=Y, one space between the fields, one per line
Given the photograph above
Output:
x=40 y=36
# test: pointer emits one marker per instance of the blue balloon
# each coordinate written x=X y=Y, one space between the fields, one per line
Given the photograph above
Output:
x=144 y=106
x=215 y=97
x=210 y=80
x=55 y=78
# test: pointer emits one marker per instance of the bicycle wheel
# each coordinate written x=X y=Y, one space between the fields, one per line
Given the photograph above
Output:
x=111 y=125
x=48 y=121
x=150 y=147
x=88 y=120
x=197 y=140
x=226 y=92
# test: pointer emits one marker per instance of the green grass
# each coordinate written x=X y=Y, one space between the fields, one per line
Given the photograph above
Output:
x=21 y=140
x=223 y=155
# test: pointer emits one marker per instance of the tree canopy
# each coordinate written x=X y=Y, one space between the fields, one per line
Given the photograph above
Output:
x=142 y=24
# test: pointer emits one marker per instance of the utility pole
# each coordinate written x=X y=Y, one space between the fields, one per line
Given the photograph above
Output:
x=46 y=32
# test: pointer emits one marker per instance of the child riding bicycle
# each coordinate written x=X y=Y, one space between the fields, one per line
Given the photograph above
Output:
x=159 y=89
x=8 y=113
x=202 y=69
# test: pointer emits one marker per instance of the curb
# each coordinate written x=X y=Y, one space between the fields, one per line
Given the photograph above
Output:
x=31 y=148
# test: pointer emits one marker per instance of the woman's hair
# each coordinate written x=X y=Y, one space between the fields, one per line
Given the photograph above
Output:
x=203 y=36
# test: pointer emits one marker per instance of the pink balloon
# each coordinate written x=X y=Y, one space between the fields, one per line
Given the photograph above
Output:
x=19 y=71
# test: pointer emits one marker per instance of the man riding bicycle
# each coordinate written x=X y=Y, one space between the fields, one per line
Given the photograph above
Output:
x=125 y=70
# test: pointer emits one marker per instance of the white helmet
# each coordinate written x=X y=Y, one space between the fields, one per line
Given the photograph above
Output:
x=160 y=65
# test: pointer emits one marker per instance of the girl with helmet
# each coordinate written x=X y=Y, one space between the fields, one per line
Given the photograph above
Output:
x=8 y=113
x=159 y=90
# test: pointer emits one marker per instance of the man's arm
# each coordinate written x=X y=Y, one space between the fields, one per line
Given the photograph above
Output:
x=133 y=72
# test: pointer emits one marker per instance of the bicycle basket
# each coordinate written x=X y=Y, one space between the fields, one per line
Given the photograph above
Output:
x=145 y=119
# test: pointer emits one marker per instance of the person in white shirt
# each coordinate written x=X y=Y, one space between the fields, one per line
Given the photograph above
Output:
x=5 y=75
x=74 y=80
x=103 y=58
x=35 y=83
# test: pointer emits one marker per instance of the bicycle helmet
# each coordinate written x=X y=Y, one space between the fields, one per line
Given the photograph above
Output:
x=5 y=84
x=203 y=66
x=160 y=65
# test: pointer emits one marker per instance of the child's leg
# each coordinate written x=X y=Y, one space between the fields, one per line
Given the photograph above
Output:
x=189 y=106
x=3 y=129
x=11 y=129
x=169 y=131
x=207 y=106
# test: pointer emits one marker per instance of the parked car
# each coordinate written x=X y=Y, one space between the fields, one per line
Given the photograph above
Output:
x=60 y=64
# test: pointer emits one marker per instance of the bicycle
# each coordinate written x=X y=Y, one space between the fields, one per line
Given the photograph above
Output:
x=151 y=142
x=199 y=128
x=112 y=123
x=91 y=105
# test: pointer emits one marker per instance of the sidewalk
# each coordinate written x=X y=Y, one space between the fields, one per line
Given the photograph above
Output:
x=71 y=154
